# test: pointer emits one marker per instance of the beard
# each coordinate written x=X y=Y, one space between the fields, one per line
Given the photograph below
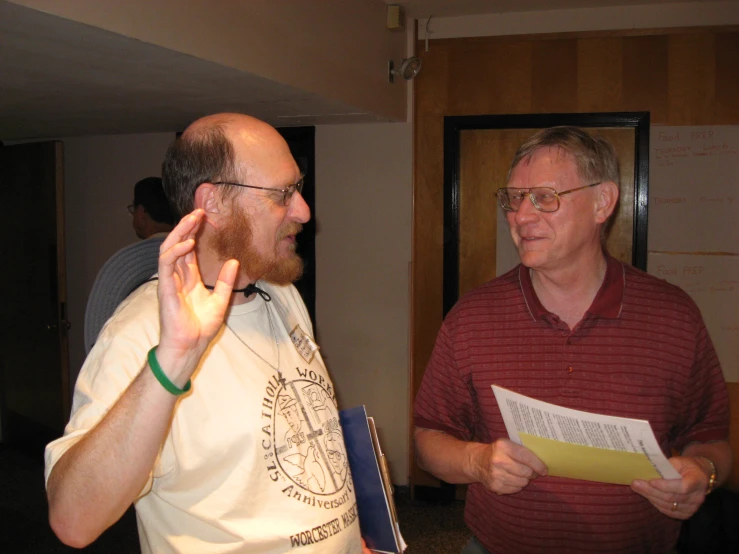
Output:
x=235 y=240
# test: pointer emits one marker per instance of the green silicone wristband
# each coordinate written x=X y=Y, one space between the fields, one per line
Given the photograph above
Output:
x=156 y=369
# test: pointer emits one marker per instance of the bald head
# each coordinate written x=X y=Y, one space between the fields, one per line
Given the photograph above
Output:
x=226 y=119
x=220 y=147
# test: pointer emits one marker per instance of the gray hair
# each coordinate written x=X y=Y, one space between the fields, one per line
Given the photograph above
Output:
x=595 y=157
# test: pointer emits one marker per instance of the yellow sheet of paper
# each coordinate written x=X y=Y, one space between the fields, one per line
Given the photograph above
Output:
x=590 y=463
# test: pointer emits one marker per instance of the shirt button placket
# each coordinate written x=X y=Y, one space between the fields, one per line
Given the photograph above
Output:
x=569 y=389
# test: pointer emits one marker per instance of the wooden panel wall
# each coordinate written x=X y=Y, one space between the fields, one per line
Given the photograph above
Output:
x=681 y=76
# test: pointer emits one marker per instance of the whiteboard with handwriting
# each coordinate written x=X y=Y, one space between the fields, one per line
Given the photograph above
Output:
x=693 y=238
x=713 y=283
x=694 y=189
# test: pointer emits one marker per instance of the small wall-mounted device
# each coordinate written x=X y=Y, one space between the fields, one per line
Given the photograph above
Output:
x=409 y=68
x=395 y=17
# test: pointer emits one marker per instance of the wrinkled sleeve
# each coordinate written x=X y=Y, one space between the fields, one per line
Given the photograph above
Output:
x=705 y=414
x=445 y=401
x=113 y=363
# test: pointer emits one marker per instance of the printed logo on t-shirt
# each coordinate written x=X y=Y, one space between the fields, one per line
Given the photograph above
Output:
x=302 y=440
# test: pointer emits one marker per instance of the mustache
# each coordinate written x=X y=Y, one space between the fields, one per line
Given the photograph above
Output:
x=290 y=229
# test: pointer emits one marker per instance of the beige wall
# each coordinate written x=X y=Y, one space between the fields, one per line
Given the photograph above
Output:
x=363 y=251
x=100 y=173
x=337 y=49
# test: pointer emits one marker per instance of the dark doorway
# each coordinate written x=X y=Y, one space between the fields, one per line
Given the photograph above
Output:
x=34 y=360
x=302 y=145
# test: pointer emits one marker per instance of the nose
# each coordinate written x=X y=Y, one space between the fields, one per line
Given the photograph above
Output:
x=526 y=211
x=298 y=209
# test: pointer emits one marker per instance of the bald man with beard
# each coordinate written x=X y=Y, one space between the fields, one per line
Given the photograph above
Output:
x=175 y=409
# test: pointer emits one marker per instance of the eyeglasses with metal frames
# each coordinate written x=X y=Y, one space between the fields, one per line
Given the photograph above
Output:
x=131 y=208
x=544 y=199
x=287 y=192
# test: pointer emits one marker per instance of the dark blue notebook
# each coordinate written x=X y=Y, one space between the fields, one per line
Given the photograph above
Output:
x=377 y=519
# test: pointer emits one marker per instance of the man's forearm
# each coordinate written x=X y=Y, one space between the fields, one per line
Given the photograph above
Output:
x=446 y=457
x=97 y=479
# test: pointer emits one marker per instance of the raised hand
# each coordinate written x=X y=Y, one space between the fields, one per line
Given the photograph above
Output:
x=190 y=315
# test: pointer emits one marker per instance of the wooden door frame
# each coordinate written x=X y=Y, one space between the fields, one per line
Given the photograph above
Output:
x=453 y=127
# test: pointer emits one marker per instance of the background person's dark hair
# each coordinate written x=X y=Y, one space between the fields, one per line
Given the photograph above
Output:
x=149 y=193
x=196 y=157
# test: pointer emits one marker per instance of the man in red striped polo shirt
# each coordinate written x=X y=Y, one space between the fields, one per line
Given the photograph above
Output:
x=575 y=327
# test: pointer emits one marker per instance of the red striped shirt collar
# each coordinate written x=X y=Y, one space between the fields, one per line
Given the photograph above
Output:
x=608 y=303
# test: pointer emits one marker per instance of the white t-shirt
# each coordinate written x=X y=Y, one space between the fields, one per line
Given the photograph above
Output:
x=255 y=459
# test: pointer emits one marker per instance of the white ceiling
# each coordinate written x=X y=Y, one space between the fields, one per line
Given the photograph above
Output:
x=62 y=78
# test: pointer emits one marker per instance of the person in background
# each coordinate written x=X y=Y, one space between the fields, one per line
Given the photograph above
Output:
x=572 y=326
x=152 y=219
x=150 y=210
x=176 y=408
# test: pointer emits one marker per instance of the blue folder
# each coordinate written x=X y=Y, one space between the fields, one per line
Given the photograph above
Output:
x=377 y=519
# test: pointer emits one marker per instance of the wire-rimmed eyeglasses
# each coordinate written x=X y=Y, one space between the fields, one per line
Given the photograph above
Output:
x=287 y=192
x=544 y=199
x=131 y=208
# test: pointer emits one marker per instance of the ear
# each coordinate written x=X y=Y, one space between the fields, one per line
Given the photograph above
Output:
x=606 y=201
x=207 y=198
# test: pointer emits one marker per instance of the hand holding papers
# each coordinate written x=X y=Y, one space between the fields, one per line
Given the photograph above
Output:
x=377 y=517
x=581 y=445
